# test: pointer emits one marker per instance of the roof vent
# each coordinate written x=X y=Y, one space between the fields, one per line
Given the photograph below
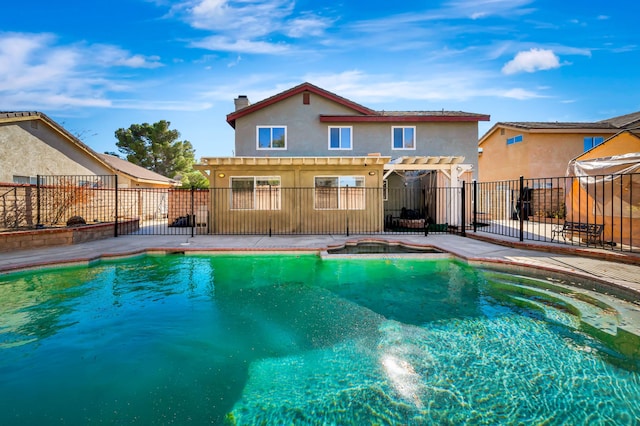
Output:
x=241 y=102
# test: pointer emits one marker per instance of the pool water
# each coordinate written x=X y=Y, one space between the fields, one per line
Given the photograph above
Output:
x=283 y=339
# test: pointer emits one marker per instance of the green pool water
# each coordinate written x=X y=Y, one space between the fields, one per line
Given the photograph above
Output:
x=283 y=339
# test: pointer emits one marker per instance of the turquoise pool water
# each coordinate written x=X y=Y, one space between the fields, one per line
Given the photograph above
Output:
x=281 y=339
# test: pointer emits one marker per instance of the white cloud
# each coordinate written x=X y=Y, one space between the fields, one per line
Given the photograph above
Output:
x=235 y=63
x=220 y=43
x=36 y=72
x=250 y=26
x=446 y=86
x=247 y=18
x=520 y=94
x=108 y=56
x=477 y=9
x=308 y=25
x=531 y=61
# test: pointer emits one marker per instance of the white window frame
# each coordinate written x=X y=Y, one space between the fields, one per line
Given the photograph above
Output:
x=341 y=191
x=404 y=144
x=270 y=147
x=340 y=147
x=257 y=202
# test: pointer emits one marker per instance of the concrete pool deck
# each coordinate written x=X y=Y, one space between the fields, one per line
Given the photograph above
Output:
x=622 y=270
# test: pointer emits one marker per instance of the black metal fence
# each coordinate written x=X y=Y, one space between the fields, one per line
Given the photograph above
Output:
x=57 y=201
x=595 y=211
x=273 y=210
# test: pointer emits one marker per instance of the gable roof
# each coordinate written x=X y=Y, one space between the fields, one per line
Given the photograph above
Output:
x=540 y=125
x=624 y=121
x=406 y=117
x=109 y=161
x=610 y=125
x=362 y=113
x=135 y=171
x=14 y=116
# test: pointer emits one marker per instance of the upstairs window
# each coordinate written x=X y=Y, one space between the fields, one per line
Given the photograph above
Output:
x=340 y=137
x=255 y=193
x=591 y=141
x=403 y=137
x=339 y=193
x=514 y=139
x=272 y=137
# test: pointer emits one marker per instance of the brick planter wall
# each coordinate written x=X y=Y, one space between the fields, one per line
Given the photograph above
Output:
x=49 y=237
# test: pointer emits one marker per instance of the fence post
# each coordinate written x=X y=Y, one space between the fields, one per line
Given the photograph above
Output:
x=521 y=213
x=115 y=228
x=463 y=211
x=475 y=206
x=38 y=222
x=193 y=213
x=270 y=207
x=346 y=212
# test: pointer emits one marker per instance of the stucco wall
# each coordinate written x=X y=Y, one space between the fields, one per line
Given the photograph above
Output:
x=621 y=144
x=297 y=213
x=307 y=136
x=538 y=155
x=31 y=148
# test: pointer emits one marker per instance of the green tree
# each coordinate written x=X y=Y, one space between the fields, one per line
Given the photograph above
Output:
x=157 y=148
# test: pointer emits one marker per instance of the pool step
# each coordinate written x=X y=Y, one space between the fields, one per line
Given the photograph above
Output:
x=610 y=320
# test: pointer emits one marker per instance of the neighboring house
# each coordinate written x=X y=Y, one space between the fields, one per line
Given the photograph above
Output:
x=605 y=187
x=135 y=176
x=32 y=144
x=542 y=149
x=625 y=142
x=309 y=138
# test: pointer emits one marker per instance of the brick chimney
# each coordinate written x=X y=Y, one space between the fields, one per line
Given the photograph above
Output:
x=241 y=102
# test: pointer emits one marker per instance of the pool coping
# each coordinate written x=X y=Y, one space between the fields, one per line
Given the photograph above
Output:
x=474 y=252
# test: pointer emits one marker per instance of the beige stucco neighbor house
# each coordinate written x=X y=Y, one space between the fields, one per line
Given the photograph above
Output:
x=542 y=149
x=32 y=144
x=36 y=152
x=309 y=138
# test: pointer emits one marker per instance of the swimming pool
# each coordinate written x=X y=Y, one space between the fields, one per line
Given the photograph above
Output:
x=298 y=339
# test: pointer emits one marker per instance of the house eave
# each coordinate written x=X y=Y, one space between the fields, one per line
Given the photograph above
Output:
x=400 y=118
x=548 y=130
x=304 y=87
x=292 y=161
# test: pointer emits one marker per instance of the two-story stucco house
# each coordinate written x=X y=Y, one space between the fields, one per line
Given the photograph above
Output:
x=308 y=137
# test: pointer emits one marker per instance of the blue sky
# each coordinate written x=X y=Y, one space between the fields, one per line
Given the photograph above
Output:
x=98 y=66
